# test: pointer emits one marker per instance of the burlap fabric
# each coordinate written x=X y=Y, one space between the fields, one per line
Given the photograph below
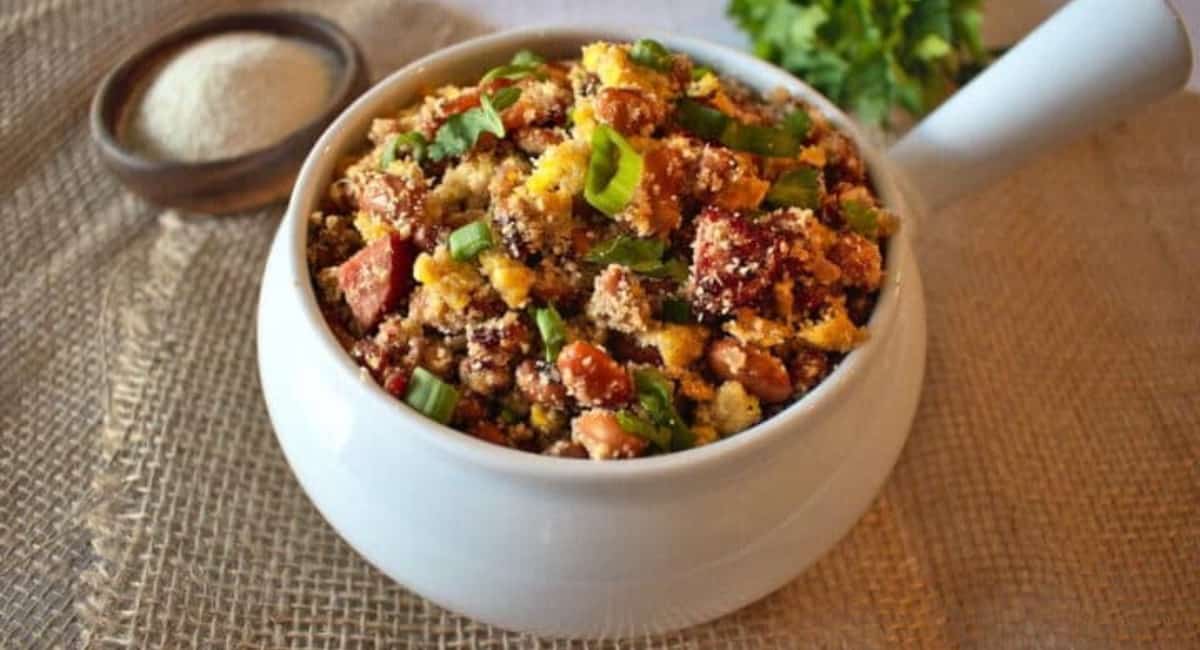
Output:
x=1049 y=495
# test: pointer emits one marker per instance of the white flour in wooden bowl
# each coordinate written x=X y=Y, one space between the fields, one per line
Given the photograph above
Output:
x=229 y=94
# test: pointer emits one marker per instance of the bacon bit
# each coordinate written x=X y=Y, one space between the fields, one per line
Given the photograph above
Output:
x=396 y=382
x=376 y=279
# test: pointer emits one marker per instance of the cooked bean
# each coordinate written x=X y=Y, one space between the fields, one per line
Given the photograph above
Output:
x=760 y=372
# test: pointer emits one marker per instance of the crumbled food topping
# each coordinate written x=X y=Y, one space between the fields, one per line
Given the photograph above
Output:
x=595 y=271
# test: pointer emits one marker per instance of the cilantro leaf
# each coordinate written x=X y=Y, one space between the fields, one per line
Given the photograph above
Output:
x=460 y=133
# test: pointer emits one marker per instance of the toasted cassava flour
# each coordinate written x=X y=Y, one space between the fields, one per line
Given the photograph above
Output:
x=229 y=94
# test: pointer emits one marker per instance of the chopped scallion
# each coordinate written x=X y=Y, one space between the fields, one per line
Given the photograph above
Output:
x=614 y=171
x=761 y=140
x=861 y=218
x=644 y=429
x=414 y=142
x=431 y=396
x=800 y=187
x=798 y=123
x=699 y=71
x=706 y=122
x=469 y=240
x=527 y=57
x=553 y=330
x=651 y=54
x=655 y=394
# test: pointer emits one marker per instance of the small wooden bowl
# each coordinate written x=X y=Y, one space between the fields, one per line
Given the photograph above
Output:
x=230 y=184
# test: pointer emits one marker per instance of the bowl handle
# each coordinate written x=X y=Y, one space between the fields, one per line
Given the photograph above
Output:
x=1090 y=64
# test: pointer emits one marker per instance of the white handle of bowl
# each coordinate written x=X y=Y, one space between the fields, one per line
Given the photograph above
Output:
x=1089 y=64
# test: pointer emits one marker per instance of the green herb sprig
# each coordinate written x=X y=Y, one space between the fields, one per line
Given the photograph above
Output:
x=460 y=133
x=869 y=56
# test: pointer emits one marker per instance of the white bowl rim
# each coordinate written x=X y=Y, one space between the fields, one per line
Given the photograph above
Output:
x=524 y=464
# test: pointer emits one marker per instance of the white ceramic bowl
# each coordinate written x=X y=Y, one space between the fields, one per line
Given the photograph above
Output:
x=575 y=548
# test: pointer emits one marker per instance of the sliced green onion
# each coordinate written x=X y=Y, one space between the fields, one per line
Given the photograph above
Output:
x=651 y=54
x=800 y=187
x=655 y=394
x=509 y=71
x=502 y=99
x=798 y=123
x=468 y=241
x=431 y=396
x=861 y=218
x=699 y=71
x=414 y=142
x=706 y=122
x=509 y=416
x=553 y=330
x=527 y=57
x=523 y=64
x=614 y=171
x=675 y=310
x=761 y=140
x=644 y=429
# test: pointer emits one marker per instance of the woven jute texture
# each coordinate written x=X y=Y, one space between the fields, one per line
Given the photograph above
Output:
x=1049 y=496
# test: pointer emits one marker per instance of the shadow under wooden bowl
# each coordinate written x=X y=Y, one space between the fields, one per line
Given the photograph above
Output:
x=230 y=184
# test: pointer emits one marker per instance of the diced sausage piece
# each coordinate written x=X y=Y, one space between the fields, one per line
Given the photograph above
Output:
x=542 y=384
x=397 y=199
x=592 y=377
x=600 y=433
x=734 y=262
x=859 y=260
x=630 y=111
x=376 y=278
x=760 y=372
x=619 y=302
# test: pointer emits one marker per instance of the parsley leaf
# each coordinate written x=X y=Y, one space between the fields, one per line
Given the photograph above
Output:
x=460 y=133
x=870 y=57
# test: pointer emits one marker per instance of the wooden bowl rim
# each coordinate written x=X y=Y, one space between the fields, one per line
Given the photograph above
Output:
x=114 y=94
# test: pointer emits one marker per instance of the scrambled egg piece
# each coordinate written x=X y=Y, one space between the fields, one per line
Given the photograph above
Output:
x=678 y=345
x=510 y=278
x=834 y=332
x=734 y=409
x=611 y=64
x=558 y=175
x=706 y=86
x=371 y=227
x=450 y=281
x=751 y=328
x=584 y=118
